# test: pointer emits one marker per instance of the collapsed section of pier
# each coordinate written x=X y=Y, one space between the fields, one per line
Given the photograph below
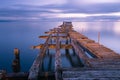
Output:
x=97 y=61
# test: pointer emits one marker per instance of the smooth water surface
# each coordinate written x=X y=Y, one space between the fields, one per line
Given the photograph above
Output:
x=109 y=33
x=23 y=35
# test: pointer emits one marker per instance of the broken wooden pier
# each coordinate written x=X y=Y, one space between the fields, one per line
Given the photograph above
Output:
x=104 y=63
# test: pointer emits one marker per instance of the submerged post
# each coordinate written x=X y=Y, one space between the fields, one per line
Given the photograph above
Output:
x=16 y=53
x=16 y=61
x=67 y=42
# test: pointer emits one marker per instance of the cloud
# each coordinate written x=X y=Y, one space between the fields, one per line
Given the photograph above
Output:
x=87 y=2
x=60 y=10
x=6 y=3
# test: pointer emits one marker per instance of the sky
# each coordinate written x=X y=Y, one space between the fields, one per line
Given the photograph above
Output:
x=53 y=10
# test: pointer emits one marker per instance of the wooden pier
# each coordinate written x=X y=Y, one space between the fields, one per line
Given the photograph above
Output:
x=104 y=63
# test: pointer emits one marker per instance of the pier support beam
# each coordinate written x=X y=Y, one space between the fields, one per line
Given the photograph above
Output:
x=37 y=65
x=73 y=51
x=67 y=50
x=58 y=72
x=80 y=53
x=50 y=62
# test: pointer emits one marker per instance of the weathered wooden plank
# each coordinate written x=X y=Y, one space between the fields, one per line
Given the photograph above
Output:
x=54 y=32
x=35 y=68
x=43 y=74
x=58 y=64
x=92 y=74
x=53 y=46
x=80 y=53
x=99 y=50
x=54 y=37
x=105 y=63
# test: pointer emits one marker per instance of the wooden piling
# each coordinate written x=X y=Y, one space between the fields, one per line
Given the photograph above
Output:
x=16 y=61
x=16 y=53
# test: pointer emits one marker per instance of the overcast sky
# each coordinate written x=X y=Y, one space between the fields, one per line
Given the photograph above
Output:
x=59 y=9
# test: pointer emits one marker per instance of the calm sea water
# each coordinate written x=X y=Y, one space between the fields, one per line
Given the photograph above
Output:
x=23 y=35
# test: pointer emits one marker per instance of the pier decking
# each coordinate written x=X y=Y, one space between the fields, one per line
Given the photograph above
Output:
x=104 y=63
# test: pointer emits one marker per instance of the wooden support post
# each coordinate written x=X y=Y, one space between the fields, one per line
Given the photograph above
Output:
x=54 y=40
x=16 y=53
x=50 y=62
x=73 y=51
x=48 y=52
x=16 y=61
x=68 y=56
x=42 y=69
x=70 y=40
x=60 y=44
x=51 y=41
x=67 y=50
x=67 y=40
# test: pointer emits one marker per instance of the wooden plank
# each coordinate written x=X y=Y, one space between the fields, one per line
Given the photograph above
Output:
x=80 y=53
x=91 y=75
x=54 y=37
x=53 y=46
x=99 y=50
x=58 y=64
x=102 y=52
x=35 y=68
x=105 y=63
x=43 y=74
x=54 y=32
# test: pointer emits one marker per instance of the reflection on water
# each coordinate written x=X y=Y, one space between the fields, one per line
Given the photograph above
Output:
x=116 y=28
x=109 y=32
x=23 y=35
x=69 y=60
